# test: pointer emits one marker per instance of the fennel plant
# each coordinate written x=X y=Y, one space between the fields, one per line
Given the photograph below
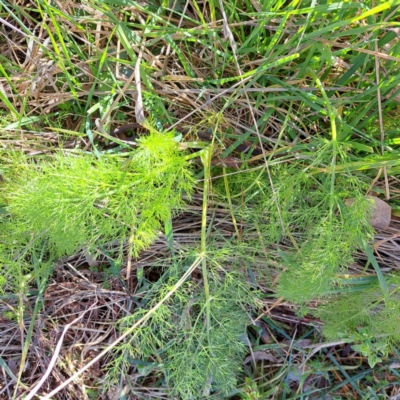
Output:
x=76 y=200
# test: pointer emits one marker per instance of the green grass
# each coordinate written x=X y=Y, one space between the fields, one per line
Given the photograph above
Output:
x=301 y=96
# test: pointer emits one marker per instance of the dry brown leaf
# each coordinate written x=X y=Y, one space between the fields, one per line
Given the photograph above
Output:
x=260 y=356
x=139 y=110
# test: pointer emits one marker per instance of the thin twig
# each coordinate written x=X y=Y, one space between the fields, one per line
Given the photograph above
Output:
x=55 y=356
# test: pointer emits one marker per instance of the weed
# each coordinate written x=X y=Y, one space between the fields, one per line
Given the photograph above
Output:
x=313 y=214
x=77 y=201
x=366 y=318
x=197 y=359
x=312 y=87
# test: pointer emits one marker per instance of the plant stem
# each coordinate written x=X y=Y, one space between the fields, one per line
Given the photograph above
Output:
x=206 y=155
x=331 y=111
x=332 y=117
x=228 y=195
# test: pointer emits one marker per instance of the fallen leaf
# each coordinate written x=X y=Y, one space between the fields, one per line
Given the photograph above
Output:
x=260 y=356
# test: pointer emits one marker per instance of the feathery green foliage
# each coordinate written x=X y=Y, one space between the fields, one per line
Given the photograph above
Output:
x=14 y=245
x=366 y=318
x=248 y=62
x=196 y=360
x=310 y=211
x=80 y=200
x=76 y=201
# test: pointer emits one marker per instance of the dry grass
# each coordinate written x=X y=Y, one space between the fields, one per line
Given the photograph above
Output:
x=74 y=90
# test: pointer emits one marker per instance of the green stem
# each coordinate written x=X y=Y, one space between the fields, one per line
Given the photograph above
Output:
x=332 y=117
x=331 y=111
x=206 y=155
x=228 y=195
x=333 y=175
x=38 y=305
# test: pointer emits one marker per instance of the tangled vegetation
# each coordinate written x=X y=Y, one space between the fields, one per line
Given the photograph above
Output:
x=186 y=199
